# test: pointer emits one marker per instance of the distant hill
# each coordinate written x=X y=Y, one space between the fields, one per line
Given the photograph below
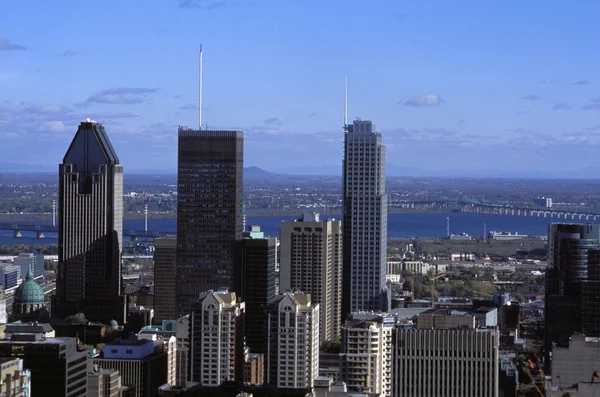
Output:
x=256 y=171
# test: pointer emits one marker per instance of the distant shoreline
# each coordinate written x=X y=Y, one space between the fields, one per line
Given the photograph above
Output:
x=252 y=212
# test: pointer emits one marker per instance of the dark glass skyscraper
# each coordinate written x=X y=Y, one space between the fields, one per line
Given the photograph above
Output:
x=209 y=211
x=255 y=285
x=90 y=228
x=572 y=283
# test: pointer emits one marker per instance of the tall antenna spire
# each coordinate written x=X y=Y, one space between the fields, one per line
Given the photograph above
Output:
x=346 y=104
x=200 y=93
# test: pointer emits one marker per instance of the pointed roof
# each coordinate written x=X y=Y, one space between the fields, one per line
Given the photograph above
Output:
x=90 y=148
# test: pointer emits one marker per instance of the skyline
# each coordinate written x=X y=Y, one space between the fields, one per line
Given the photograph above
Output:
x=450 y=88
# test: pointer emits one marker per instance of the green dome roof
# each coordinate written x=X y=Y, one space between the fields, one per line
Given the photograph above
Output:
x=30 y=292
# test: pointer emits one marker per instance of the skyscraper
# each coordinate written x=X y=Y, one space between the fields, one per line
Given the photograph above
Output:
x=255 y=259
x=292 y=360
x=311 y=261
x=165 y=250
x=364 y=220
x=572 y=283
x=209 y=211
x=90 y=228
x=217 y=339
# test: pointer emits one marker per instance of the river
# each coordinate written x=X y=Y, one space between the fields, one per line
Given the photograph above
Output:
x=399 y=225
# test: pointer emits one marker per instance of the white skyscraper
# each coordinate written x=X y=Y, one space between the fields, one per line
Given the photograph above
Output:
x=216 y=338
x=364 y=220
x=292 y=360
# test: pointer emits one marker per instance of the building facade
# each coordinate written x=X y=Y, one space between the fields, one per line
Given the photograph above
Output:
x=90 y=233
x=14 y=379
x=364 y=221
x=142 y=363
x=571 y=280
x=55 y=363
x=104 y=382
x=9 y=276
x=209 y=211
x=255 y=275
x=217 y=339
x=165 y=250
x=292 y=360
x=28 y=260
x=445 y=363
x=311 y=261
x=366 y=356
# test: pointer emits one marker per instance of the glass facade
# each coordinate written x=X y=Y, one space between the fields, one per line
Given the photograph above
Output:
x=209 y=211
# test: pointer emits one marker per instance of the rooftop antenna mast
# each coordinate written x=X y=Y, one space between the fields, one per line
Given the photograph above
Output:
x=200 y=93
x=346 y=104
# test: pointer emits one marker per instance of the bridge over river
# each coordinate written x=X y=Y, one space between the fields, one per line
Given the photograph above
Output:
x=572 y=215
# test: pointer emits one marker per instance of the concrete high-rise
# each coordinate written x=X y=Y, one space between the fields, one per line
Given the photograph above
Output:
x=209 y=211
x=90 y=209
x=364 y=220
x=217 y=339
x=165 y=250
x=366 y=356
x=445 y=363
x=255 y=259
x=292 y=360
x=572 y=284
x=311 y=261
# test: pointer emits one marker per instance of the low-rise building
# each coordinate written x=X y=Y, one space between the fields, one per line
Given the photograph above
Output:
x=14 y=379
x=104 y=382
x=141 y=362
x=254 y=369
x=576 y=362
x=55 y=363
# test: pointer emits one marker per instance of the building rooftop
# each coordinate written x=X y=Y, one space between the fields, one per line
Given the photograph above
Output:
x=30 y=292
x=18 y=327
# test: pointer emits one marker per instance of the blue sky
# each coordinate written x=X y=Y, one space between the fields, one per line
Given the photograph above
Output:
x=452 y=85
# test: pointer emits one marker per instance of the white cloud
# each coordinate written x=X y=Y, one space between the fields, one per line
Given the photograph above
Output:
x=424 y=100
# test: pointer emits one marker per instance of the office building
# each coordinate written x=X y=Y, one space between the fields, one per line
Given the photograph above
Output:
x=9 y=276
x=364 y=221
x=28 y=260
x=366 y=356
x=445 y=363
x=292 y=360
x=571 y=279
x=165 y=250
x=104 y=382
x=311 y=261
x=209 y=211
x=254 y=369
x=35 y=262
x=255 y=259
x=217 y=339
x=14 y=379
x=55 y=363
x=182 y=339
x=90 y=233
x=142 y=363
